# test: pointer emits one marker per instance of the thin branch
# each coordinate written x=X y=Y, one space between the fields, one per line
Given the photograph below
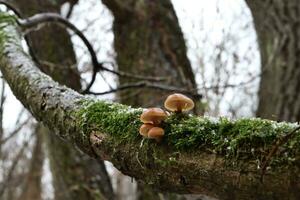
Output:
x=145 y=84
x=2 y=100
x=14 y=164
x=14 y=132
x=18 y=13
x=70 y=11
x=43 y=18
x=12 y=8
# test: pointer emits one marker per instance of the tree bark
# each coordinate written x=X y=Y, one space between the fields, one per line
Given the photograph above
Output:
x=75 y=175
x=278 y=31
x=149 y=42
x=218 y=158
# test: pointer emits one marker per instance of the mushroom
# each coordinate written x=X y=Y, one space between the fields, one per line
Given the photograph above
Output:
x=153 y=116
x=178 y=103
x=156 y=133
x=144 y=129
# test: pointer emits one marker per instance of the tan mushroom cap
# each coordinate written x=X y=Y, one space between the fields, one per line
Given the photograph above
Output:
x=179 y=102
x=153 y=116
x=144 y=129
x=156 y=133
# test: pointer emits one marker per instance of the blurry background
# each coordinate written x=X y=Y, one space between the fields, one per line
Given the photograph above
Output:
x=211 y=50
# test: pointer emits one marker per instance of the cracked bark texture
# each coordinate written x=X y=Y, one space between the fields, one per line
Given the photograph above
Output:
x=75 y=175
x=101 y=129
x=149 y=41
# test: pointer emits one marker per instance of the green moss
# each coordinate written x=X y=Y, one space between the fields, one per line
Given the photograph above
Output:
x=115 y=119
x=240 y=139
x=5 y=19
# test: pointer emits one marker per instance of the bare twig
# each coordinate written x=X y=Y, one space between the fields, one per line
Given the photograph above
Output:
x=17 y=12
x=12 y=8
x=14 y=132
x=71 y=8
x=2 y=100
x=145 y=84
x=43 y=18
x=14 y=164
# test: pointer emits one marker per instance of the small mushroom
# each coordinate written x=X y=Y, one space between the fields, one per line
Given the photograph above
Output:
x=144 y=129
x=178 y=103
x=153 y=116
x=156 y=133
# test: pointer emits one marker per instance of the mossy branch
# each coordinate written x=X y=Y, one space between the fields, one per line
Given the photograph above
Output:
x=217 y=157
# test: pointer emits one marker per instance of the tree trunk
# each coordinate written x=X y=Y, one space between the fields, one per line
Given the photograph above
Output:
x=75 y=175
x=278 y=32
x=150 y=43
x=33 y=187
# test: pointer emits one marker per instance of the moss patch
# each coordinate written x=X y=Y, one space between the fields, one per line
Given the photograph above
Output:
x=111 y=118
x=5 y=19
x=241 y=139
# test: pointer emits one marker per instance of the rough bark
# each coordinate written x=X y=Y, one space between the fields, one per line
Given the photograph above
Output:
x=75 y=175
x=149 y=42
x=278 y=32
x=198 y=155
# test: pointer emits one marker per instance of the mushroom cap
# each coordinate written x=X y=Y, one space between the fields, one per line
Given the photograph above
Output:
x=153 y=116
x=178 y=102
x=156 y=133
x=144 y=129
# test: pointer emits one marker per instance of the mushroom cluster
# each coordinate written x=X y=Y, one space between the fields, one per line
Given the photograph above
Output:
x=153 y=117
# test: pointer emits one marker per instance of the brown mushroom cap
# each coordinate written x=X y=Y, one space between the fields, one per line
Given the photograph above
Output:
x=153 y=116
x=156 y=133
x=144 y=129
x=179 y=102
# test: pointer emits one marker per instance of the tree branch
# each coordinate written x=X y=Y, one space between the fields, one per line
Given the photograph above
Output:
x=44 y=18
x=221 y=158
x=145 y=84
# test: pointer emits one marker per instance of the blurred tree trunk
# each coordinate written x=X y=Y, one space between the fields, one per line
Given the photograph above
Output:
x=32 y=188
x=278 y=31
x=75 y=175
x=148 y=41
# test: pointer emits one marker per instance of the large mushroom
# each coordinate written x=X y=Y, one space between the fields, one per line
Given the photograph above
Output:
x=178 y=103
x=153 y=116
x=156 y=133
